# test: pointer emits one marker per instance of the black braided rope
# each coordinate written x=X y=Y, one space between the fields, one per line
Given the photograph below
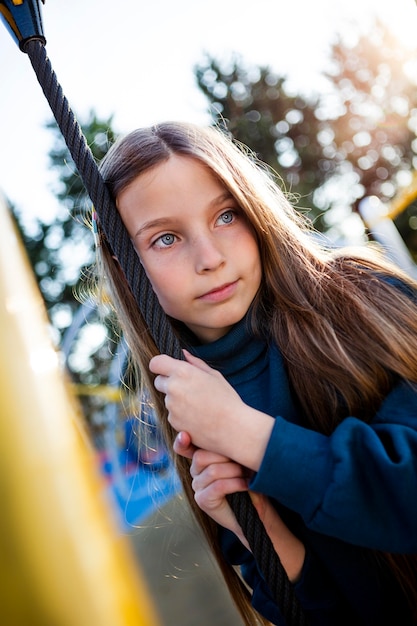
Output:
x=110 y=220
x=266 y=558
x=157 y=322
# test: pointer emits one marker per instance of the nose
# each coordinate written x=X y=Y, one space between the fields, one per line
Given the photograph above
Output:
x=208 y=254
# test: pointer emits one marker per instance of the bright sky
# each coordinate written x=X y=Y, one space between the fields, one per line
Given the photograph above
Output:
x=135 y=60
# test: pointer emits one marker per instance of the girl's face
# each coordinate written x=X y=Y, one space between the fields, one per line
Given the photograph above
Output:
x=197 y=249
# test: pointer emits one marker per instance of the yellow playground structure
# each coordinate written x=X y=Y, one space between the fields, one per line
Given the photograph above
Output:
x=63 y=560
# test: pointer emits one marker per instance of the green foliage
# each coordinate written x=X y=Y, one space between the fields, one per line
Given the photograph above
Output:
x=62 y=251
x=376 y=96
x=255 y=106
x=353 y=140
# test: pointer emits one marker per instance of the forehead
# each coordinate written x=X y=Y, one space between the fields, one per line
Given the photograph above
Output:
x=179 y=187
x=177 y=177
x=179 y=170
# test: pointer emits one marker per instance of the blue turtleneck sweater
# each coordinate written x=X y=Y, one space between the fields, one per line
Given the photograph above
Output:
x=345 y=496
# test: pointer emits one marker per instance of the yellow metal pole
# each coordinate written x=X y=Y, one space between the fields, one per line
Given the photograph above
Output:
x=107 y=392
x=62 y=560
x=402 y=199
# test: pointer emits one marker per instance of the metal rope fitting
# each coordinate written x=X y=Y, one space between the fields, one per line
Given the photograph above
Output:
x=23 y=20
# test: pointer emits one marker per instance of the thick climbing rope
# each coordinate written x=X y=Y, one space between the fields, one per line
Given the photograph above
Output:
x=158 y=324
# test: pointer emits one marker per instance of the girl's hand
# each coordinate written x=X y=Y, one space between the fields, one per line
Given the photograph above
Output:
x=214 y=477
x=198 y=398
x=201 y=402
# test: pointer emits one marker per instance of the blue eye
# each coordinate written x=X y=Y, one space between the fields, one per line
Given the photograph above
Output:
x=227 y=217
x=165 y=240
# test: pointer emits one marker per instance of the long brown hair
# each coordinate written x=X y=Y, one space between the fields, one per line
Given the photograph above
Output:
x=345 y=331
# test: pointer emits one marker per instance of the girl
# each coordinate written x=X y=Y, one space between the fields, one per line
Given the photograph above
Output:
x=299 y=378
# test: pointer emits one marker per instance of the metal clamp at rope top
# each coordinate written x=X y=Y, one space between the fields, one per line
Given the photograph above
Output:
x=23 y=20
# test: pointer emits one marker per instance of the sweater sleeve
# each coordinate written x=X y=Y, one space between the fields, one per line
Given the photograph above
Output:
x=358 y=484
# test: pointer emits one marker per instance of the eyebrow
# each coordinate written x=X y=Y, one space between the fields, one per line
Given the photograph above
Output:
x=167 y=221
x=156 y=223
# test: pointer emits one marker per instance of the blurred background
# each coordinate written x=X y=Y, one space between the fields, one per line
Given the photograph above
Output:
x=324 y=92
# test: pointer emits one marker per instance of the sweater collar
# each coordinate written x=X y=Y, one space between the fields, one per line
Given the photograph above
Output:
x=239 y=355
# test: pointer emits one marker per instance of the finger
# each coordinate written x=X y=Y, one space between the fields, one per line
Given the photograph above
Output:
x=183 y=445
x=210 y=497
x=205 y=458
x=163 y=364
x=193 y=360
x=160 y=383
x=215 y=475
x=183 y=439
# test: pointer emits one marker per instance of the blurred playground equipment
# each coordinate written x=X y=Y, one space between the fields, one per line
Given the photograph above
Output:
x=133 y=456
x=63 y=560
x=379 y=220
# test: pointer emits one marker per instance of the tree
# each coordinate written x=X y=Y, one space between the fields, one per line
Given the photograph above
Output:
x=256 y=108
x=61 y=253
x=374 y=133
x=68 y=249
x=332 y=149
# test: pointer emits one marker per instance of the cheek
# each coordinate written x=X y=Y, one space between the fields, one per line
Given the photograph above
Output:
x=253 y=256
x=155 y=272
x=166 y=286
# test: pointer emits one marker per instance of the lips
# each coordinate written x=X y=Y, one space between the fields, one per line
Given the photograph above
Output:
x=220 y=293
